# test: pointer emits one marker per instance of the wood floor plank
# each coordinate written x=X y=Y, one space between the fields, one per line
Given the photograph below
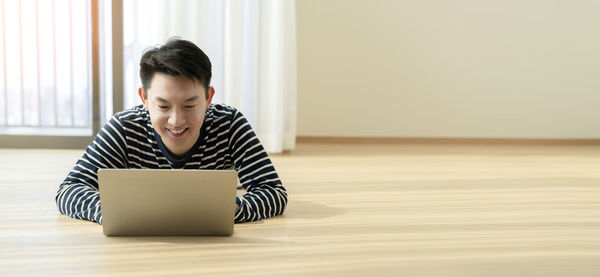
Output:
x=397 y=209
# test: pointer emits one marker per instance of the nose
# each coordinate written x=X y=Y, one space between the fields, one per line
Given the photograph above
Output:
x=176 y=118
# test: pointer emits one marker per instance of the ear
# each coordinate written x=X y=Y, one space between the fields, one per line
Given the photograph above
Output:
x=209 y=96
x=143 y=96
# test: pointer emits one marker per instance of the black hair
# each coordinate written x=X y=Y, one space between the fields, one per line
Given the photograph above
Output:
x=174 y=58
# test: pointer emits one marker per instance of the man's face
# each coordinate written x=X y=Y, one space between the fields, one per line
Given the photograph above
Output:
x=177 y=106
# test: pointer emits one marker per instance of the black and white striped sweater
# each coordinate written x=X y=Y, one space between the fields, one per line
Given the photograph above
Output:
x=128 y=141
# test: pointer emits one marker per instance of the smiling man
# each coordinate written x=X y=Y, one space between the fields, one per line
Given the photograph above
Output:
x=176 y=127
x=177 y=107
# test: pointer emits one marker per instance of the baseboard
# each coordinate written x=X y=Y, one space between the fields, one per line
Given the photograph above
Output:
x=404 y=140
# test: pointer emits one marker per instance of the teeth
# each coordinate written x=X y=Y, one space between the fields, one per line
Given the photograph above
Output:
x=177 y=132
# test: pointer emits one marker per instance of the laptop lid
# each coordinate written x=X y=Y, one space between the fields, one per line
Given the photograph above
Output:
x=163 y=202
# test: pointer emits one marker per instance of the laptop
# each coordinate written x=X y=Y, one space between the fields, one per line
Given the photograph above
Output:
x=163 y=202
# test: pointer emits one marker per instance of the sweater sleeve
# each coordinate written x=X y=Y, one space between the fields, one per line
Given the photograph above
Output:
x=266 y=196
x=78 y=195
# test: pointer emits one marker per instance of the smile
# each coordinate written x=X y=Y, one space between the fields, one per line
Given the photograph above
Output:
x=177 y=133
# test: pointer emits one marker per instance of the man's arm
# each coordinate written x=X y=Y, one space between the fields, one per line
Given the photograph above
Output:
x=266 y=196
x=78 y=196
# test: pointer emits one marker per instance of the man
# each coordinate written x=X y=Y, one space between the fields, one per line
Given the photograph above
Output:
x=176 y=127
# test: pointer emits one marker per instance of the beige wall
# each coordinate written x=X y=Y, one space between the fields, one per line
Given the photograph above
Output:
x=466 y=68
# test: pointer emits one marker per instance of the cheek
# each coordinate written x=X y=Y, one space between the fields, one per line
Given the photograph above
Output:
x=157 y=118
x=197 y=118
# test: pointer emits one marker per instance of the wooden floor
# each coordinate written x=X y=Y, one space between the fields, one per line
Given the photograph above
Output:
x=354 y=209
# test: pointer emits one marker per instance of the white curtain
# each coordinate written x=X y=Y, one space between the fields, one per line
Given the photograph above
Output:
x=45 y=68
x=251 y=44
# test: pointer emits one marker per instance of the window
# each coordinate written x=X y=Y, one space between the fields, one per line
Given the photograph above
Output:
x=46 y=73
x=68 y=65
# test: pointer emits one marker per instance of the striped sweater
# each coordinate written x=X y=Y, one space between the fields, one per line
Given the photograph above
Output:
x=128 y=141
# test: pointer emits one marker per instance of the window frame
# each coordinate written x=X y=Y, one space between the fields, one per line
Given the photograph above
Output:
x=116 y=62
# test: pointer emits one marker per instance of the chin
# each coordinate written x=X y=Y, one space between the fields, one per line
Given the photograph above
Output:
x=178 y=154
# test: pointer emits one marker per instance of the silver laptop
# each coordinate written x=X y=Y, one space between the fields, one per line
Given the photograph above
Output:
x=162 y=202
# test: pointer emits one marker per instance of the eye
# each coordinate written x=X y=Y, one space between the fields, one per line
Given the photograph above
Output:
x=163 y=107
x=190 y=106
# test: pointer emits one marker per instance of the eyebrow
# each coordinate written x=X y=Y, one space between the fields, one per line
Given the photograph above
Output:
x=160 y=99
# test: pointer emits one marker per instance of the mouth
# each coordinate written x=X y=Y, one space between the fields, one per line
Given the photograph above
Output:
x=177 y=133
